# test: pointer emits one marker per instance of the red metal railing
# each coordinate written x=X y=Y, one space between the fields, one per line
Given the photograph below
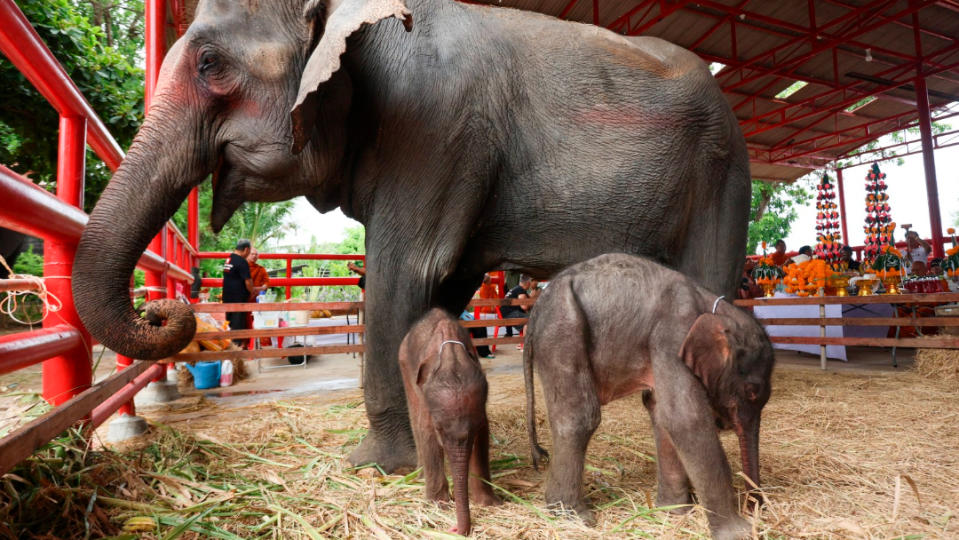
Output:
x=63 y=345
x=289 y=281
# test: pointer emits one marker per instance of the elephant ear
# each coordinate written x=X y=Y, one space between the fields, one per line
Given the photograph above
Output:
x=706 y=349
x=342 y=18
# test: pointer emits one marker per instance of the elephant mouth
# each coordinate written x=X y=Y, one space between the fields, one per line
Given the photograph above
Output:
x=227 y=194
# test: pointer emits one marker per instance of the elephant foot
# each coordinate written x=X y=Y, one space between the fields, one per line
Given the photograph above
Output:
x=389 y=455
x=735 y=528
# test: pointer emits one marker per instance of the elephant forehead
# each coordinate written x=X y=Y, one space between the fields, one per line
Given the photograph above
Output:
x=270 y=60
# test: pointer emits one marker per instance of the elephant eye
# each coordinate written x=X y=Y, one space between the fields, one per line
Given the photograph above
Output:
x=208 y=62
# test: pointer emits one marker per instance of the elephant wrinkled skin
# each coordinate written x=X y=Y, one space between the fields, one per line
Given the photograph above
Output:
x=464 y=137
x=618 y=324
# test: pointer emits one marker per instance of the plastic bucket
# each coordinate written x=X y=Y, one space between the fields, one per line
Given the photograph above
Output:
x=205 y=375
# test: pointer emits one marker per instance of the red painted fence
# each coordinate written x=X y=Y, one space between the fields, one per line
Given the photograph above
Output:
x=63 y=345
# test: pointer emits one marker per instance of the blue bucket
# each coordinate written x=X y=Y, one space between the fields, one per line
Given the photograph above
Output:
x=205 y=374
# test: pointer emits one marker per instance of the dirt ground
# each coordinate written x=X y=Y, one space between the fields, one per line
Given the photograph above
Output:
x=862 y=450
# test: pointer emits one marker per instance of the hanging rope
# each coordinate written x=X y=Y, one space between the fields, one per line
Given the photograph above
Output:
x=10 y=303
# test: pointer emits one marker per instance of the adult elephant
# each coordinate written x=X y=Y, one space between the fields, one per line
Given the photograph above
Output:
x=476 y=138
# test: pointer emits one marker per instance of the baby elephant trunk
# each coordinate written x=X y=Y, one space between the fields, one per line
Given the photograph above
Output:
x=459 y=457
x=749 y=450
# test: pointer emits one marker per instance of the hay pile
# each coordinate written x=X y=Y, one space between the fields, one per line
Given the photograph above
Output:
x=848 y=455
x=939 y=364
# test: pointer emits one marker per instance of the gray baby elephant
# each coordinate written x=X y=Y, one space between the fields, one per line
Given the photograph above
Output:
x=617 y=324
x=446 y=394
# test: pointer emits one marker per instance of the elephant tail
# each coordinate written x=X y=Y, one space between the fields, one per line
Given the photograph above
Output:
x=537 y=452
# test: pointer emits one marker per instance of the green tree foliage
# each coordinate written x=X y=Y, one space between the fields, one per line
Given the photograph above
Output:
x=29 y=263
x=773 y=209
x=98 y=43
x=257 y=222
x=353 y=242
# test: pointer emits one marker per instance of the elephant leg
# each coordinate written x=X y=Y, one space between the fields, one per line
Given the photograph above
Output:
x=716 y=237
x=671 y=479
x=683 y=411
x=392 y=305
x=571 y=428
x=431 y=458
x=480 y=477
x=429 y=451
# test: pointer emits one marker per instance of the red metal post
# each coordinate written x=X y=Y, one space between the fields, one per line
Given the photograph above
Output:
x=155 y=17
x=289 y=274
x=169 y=254
x=66 y=375
x=193 y=219
x=127 y=408
x=842 y=209
x=124 y=362
x=929 y=165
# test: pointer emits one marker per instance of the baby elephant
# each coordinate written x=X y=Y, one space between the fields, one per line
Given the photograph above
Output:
x=446 y=395
x=617 y=324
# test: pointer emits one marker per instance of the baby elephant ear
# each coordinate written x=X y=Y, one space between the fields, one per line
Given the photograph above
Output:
x=343 y=17
x=706 y=349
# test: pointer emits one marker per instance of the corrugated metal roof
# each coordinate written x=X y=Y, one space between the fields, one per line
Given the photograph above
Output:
x=855 y=49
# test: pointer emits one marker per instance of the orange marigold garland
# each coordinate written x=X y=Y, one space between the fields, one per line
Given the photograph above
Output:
x=805 y=279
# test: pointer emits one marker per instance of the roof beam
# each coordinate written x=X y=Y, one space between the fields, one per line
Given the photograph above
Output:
x=815 y=101
x=869 y=135
x=822 y=45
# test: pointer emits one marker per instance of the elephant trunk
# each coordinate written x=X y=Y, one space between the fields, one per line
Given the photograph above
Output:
x=151 y=183
x=749 y=450
x=459 y=465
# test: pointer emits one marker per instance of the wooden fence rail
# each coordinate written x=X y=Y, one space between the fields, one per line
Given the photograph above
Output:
x=910 y=300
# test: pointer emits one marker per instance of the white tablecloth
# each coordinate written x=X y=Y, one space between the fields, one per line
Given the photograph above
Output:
x=837 y=352
x=832 y=310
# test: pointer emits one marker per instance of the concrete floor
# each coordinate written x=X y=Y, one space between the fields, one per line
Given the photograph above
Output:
x=329 y=374
x=336 y=372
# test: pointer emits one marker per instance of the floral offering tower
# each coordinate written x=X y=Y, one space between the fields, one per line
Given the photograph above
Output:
x=828 y=239
x=879 y=224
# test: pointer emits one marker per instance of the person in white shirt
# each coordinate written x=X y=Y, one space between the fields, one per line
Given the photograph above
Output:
x=917 y=249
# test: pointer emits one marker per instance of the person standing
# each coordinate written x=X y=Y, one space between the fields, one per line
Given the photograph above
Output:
x=518 y=292
x=361 y=270
x=259 y=275
x=917 y=250
x=237 y=285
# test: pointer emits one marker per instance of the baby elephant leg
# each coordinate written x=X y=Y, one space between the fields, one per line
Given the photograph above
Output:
x=481 y=489
x=430 y=454
x=574 y=414
x=683 y=410
x=672 y=481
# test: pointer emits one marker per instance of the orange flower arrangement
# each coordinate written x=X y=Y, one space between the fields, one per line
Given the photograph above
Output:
x=806 y=278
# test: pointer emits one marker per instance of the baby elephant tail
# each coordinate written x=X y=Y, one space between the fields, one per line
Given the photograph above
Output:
x=537 y=452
